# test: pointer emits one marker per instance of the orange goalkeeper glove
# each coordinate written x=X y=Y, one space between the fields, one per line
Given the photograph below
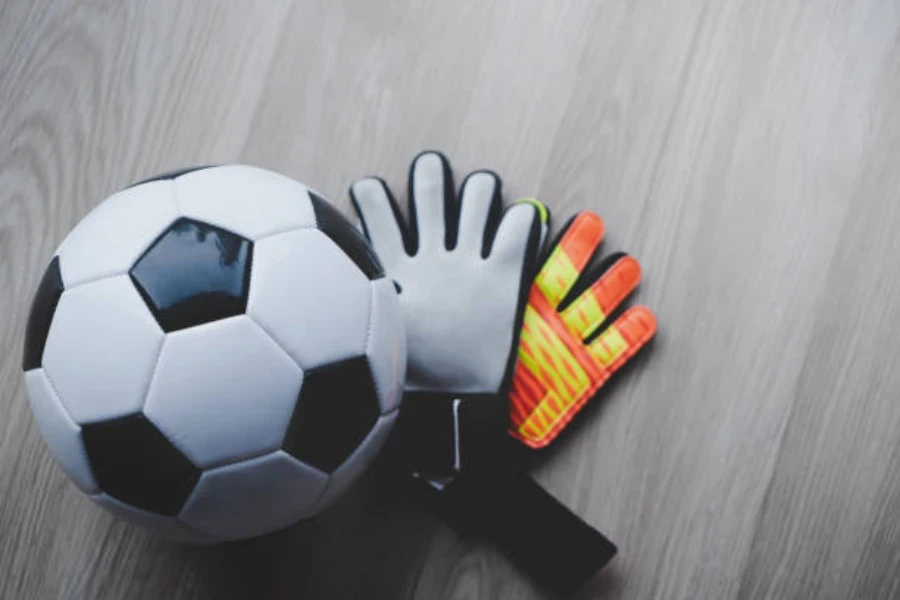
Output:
x=568 y=348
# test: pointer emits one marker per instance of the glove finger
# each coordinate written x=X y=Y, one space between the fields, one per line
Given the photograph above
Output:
x=572 y=251
x=544 y=212
x=620 y=276
x=480 y=212
x=380 y=219
x=518 y=237
x=622 y=340
x=431 y=200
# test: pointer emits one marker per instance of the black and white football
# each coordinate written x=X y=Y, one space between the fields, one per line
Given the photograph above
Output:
x=215 y=353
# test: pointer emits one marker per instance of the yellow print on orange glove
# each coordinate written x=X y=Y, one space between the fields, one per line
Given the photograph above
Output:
x=557 y=370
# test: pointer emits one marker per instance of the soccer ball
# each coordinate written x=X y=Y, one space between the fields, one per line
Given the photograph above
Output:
x=215 y=353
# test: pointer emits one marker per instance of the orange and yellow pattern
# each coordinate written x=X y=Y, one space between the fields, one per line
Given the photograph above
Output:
x=557 y=371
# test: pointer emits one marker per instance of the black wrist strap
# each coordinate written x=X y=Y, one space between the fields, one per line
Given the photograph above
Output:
x=545 y=539
x=462 y=443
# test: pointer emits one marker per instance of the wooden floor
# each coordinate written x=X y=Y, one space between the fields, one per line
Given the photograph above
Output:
x=745 y=150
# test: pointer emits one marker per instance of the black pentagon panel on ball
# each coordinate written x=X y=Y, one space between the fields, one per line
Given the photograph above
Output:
x=171 y=175
x=333 y=224
x=194 y=273
x=337 y=408
x=43 y=306
x=133 y=462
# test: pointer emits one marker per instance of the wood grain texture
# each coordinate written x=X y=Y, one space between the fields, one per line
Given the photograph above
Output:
x=744 y=150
